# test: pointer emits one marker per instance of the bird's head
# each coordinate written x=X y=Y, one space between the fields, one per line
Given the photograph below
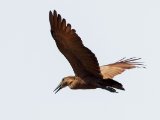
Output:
x=66 y=81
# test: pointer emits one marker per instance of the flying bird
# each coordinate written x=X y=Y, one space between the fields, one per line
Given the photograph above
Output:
x=88 y=73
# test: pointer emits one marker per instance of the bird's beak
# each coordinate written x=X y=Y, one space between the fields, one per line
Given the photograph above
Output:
x=58 y=88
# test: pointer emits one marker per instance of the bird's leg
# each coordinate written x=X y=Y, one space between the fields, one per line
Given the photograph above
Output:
x=110 y=89
x=103 y=86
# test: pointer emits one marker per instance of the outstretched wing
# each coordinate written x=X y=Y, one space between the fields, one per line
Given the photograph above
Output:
x=82 y=60
x=111 y=70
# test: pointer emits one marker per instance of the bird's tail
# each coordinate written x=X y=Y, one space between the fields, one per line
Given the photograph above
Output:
x=112 y=83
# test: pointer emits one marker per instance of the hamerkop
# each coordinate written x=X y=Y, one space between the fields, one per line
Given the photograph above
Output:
x=88 y=74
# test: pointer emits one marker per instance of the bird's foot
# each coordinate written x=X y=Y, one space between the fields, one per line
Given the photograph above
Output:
x=111 y=89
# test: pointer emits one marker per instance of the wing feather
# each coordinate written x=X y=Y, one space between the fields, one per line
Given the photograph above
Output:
x=111 y=70
x=63 y=24
x=82 y=60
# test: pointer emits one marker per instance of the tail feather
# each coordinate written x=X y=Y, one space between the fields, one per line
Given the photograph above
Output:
x=112 y=83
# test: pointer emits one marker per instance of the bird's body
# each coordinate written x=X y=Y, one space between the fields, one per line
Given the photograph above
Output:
x=88 y=73
x=92 y=83
x=78 y=83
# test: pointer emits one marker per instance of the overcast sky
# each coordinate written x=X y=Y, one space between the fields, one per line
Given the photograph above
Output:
x=31 y=65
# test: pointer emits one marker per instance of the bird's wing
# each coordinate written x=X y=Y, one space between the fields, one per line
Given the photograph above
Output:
x=111 y=70
x=82 y=60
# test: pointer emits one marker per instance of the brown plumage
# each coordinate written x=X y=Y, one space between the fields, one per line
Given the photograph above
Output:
x=88 y=74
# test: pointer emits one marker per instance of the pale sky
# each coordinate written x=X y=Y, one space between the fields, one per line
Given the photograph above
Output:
x=31 y=65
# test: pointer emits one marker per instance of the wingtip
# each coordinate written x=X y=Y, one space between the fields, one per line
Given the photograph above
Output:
x=50 y=17
x=55 y=12
x=50 y=13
